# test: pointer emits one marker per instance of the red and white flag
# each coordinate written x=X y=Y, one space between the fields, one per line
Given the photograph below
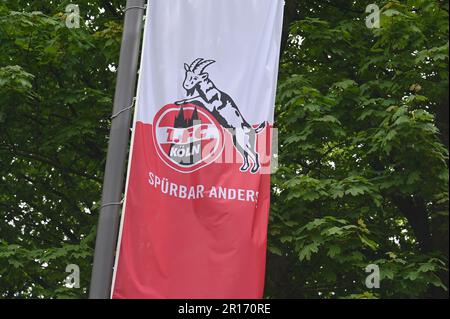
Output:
x=198 y=188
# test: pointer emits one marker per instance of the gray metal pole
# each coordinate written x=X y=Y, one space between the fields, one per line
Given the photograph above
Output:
x=113 y=182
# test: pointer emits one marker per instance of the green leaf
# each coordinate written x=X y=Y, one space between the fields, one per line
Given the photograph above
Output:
x=333 y=251
x=368 y=242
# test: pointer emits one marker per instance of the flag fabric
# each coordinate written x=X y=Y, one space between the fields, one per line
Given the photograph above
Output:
x=197 y=198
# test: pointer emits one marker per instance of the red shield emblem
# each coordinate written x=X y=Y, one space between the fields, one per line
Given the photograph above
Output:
x=187 y=138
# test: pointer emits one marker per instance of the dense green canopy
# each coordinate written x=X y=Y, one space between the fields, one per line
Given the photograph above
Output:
x=363 y=120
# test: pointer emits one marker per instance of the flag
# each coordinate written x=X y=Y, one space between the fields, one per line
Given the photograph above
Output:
x=197 y=197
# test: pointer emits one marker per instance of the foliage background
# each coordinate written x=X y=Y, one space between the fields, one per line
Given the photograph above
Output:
x=363 y=120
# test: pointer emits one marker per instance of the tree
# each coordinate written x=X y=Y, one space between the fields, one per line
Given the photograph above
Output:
x=364 y=152
x=363 y=121
x=56 y=88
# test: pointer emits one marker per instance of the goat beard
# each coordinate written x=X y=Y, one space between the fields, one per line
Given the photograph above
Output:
x=190 y=92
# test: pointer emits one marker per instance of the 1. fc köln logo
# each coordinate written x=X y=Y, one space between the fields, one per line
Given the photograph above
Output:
x=187 y=138
x=189 y=134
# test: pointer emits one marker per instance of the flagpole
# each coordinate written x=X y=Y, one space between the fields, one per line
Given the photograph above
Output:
x=108 y=225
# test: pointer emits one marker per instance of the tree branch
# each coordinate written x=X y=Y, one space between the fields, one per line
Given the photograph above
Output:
x=36 y=157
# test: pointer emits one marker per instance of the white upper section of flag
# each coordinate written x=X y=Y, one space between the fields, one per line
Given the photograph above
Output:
x=241 y=36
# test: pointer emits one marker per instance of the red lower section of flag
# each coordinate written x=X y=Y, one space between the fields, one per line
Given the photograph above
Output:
x=192 y=235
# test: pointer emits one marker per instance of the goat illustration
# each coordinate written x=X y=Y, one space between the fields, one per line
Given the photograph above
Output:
x=223 y=108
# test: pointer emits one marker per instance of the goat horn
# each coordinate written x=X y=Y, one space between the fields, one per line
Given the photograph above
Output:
x=202 y=66
x=194 y=64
